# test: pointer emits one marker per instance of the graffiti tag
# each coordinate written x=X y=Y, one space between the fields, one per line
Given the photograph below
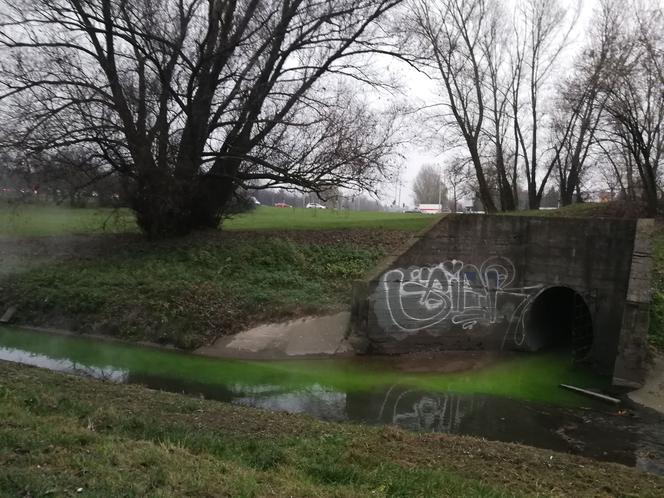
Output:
x=463 y=294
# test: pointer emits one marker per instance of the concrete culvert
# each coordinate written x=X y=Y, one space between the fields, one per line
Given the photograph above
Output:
x=560 y=319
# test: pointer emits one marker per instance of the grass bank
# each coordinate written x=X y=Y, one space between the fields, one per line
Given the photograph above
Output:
x=88 y=269
x=88 y=438
x=188 y=292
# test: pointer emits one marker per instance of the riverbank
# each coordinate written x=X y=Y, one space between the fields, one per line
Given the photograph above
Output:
x=63 y=269
x=118 y=440
x=185 y=293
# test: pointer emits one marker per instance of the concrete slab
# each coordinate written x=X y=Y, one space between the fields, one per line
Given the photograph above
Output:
x=305 y=337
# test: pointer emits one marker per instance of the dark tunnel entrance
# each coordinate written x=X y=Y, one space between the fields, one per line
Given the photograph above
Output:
x=560 y=319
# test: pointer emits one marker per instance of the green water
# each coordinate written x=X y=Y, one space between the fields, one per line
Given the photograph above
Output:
x=527 y=377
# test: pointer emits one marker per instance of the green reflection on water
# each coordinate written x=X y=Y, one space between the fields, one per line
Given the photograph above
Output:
x=532 y=377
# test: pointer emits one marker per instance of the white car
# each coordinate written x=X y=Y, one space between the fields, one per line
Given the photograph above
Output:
x=315 y=205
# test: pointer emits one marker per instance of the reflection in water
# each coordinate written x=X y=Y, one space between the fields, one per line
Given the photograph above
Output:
x=636 y=441
x=108 y=373
x=316 y=401
x=627 y=439
x=428 y=412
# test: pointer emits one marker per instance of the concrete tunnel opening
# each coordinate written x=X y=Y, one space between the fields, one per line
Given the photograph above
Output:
x=559 y=319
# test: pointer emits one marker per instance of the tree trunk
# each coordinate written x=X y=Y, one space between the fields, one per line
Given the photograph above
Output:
x=169 y=207
x=484 y=192
x=507 y=202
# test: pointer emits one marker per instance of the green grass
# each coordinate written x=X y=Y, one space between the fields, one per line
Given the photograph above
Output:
x=187 y=293
x=86 y=438
x=28 y=220
x=270 y=218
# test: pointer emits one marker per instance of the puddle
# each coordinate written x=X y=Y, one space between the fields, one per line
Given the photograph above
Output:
x=512 y=398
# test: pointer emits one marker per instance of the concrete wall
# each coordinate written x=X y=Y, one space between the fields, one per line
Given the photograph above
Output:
x=469 y=282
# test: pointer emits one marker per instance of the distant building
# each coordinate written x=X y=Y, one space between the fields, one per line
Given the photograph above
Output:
x=430 y=208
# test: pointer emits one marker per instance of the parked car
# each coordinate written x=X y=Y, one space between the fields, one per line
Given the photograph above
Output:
x=315 y=205
x=282 y=205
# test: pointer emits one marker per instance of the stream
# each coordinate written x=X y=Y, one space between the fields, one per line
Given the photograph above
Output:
x=511 y=398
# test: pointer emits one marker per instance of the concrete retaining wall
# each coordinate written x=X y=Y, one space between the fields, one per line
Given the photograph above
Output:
x=469 y=282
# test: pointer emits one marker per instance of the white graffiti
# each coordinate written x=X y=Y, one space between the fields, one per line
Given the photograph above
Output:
x=464 y=294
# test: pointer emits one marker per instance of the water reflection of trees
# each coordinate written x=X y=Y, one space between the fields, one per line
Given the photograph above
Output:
x=107 y=373
x=314 y=400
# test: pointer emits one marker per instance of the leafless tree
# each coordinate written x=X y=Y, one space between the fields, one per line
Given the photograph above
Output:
x=189 y=100
x=545 y=26
x=427 y=187
x=500 y=82
x=616 y=167
x=635 y=103
x=493 y=71
x=457 y=175
x=582 y=99
x=448 y=36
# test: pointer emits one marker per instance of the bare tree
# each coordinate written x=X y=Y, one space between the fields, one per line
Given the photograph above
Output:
x=582 y=100
x=635 y=105
x=428 y=186
x=547 y=27
x=500 y=83
x=448 y=36
x=457 y=175
x=616 y=167
x=188 y=100
x=493 y=74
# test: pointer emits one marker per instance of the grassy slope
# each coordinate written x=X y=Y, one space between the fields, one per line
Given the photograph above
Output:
x=188 y=292
x=112 y=440
x=48 y=220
